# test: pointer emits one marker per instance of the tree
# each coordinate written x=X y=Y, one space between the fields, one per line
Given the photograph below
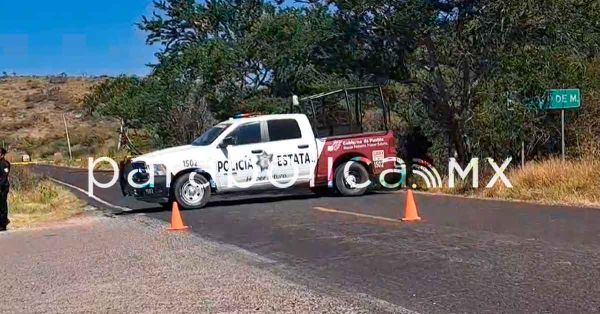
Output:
x=471 y=55
x=465 y=73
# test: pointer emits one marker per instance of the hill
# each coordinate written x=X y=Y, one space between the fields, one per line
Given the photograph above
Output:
x=31 y=112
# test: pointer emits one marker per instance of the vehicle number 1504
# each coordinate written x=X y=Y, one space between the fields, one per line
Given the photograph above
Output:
x=190 y=163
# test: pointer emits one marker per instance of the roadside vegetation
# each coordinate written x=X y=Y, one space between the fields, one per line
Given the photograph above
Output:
x=35 y=200
x=553 y=181
x=463 y=79
x=32 y=118
x=82 y=161
x=549 y=181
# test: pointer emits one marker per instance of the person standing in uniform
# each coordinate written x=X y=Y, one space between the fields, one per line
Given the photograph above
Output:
x=4 y=186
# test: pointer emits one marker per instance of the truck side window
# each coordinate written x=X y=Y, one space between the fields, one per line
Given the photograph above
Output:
x=284 y=129
x=247 y=134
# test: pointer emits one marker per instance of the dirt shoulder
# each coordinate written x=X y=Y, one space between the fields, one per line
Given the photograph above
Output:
x=130 y=264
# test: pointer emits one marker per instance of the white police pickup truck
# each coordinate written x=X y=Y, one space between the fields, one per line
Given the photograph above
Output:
x=248 y=153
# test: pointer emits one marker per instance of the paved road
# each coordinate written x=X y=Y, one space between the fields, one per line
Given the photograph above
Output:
x=95 y=264
x=466 y=256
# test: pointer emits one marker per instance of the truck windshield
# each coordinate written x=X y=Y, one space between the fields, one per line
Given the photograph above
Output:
x=210 y=135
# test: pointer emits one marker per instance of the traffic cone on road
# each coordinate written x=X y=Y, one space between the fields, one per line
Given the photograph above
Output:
x=410 y=208
x=176 y=221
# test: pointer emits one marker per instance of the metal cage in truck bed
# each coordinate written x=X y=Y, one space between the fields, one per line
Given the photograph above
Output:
x=345 y=111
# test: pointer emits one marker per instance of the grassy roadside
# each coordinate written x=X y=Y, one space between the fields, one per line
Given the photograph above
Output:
x=35 y=200
x=551 y=181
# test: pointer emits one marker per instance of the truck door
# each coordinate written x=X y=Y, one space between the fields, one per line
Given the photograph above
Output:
x=294 y=151
x=241 y=159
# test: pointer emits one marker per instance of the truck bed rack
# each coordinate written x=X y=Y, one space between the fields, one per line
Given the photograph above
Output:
x=343 y=111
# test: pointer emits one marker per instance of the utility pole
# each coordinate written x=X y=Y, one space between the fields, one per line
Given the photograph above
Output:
x=120 y=136
x=68 y=140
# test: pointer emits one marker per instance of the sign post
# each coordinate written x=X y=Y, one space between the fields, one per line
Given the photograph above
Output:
x=563 y=99
x=562 y=122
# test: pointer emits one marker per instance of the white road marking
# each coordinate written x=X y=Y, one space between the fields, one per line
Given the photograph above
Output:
x=97 y=199
x=336 y=211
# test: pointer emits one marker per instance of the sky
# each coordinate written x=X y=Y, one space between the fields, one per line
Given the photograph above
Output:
x=91 y=37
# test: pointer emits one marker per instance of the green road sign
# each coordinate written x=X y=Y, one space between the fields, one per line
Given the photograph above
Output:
x=564 y=99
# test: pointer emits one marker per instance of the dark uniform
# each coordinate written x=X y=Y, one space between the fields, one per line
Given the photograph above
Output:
x=4 y=186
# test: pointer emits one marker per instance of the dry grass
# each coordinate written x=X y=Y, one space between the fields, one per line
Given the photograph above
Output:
x=35 y=200
x=83 y=163
x=553 y=181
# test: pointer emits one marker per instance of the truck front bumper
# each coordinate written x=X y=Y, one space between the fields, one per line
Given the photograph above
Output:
x=151 y=192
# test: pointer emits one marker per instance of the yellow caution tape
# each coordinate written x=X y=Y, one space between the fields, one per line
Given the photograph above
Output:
x=38 y=162
x=23 y=163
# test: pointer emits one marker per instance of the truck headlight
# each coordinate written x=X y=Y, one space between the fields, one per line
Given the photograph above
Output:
x=159 y=169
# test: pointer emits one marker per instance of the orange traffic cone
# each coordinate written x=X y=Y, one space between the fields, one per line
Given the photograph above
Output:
x=410 y=208
x=176 y=221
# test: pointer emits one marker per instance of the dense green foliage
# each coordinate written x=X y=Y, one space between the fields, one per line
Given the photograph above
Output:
x=464 y=76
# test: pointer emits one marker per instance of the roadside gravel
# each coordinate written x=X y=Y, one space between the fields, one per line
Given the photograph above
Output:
x=130 y=264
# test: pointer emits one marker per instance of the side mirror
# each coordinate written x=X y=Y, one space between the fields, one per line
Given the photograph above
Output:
x=226 y=142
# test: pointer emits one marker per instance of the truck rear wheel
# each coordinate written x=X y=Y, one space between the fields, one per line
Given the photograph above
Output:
x=354 y=182
x=192 y=194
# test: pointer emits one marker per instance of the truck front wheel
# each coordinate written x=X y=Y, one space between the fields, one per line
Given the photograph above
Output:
x=353 y=183
x=192 y=193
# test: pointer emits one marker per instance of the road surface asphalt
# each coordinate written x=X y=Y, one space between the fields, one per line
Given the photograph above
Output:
x=467 y=255
x=96 y=264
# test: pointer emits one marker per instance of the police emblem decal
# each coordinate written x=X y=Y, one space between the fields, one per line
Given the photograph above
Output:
x=264 y=161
